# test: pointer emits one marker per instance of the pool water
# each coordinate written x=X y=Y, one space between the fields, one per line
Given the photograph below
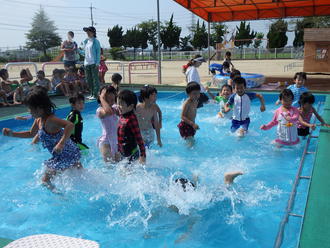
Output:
x=131 y=207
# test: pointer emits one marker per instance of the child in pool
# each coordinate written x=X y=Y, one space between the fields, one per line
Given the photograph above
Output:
x=77 y=104
x=297 y=88
x=306 y=111
x=129 y=135
x=147 y=115
x=286 y=118
x=240 y=102
x=108 y=114
x=224 y=94
x=235 y=73
x=187 y=126
x=53 y=132
x=115 y=81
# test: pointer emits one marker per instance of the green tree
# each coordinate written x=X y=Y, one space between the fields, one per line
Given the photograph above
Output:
x=308 y=22
x=276 y=36
x=244 y=35
x=115 y=35
x=218 y=32
x=199 y=39
x=132 y=39
x=170 y=34
x=257 y=42
x=43 y=34
x=150 y=27
x=184 y=43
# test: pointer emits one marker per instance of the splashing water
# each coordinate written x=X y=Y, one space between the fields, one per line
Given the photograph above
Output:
x=142 y=206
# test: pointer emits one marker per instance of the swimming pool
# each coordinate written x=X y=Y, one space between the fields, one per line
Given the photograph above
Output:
x=130 y=208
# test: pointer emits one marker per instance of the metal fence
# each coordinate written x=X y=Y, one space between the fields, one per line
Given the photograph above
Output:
x=22 y=54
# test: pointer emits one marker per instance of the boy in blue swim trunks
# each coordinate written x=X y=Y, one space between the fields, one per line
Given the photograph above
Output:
x=241 y=102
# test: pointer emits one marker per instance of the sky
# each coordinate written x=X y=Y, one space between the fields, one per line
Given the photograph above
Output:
x=16 y=17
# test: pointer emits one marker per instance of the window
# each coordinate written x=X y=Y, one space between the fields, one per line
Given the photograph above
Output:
x=322 y=53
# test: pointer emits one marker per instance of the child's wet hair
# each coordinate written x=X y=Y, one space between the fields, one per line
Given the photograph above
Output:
x=226 y=86
x=23 y=73
x=286 y=93
x=192 y=86
x=128 y=97
x=41 y=72
x=302 y=75
x=306 y=97
x=116 y=78
x=235 y=73
x=184 y=183
x=108 y=90
x=38 y=98
x=239 y=81
x=3 y=73
x=56 y=71
x=228 y=54
x=76 y=98
x=146 y=91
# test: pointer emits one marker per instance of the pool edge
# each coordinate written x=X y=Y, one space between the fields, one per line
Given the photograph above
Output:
x=315 y=228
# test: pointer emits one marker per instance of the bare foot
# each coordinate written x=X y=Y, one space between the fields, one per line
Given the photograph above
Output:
x=230 y=176
x=241 y=132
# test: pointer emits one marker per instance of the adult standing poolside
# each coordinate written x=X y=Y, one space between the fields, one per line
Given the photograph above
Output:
x=192 y=75
x=70 y=49
x=92 y=51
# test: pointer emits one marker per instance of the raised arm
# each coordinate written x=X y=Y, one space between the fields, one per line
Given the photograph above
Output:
x=319 y=117
x=68 y=128
x=25 y=134
x=272 y=123
x=262 y=102
x=209 y=92
x=106 y=108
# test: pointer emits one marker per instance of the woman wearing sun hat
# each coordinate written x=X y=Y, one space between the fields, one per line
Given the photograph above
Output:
x=92 y=51
x=192 y=75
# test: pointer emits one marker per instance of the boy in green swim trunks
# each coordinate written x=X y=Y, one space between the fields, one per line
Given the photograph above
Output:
x=77 y=103
x=224 y=94
x=8 y=88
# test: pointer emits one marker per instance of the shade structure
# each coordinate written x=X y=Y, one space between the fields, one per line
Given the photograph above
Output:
x=240 y=10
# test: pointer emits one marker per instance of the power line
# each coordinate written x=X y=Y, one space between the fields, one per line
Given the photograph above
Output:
x=46 y=5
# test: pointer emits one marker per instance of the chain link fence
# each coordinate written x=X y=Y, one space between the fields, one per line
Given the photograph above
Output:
x=18 y=54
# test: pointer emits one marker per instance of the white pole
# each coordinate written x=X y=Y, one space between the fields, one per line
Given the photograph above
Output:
x=159 y=53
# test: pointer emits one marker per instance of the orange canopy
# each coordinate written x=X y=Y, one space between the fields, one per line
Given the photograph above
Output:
x=238 y=10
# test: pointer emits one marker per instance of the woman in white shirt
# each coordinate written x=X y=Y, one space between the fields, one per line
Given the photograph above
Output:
x=190 y=70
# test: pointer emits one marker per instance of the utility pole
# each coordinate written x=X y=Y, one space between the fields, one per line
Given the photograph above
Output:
x=159 y=51
x=92 y=21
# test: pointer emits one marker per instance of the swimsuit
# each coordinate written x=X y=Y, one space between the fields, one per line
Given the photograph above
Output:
x=109 y=131
x=286 y=130
x=241 y=110
x=148 y=136
x=75 y=117
x=303 y=130
x=297 y=93
x=186 y=130
x=69 y=156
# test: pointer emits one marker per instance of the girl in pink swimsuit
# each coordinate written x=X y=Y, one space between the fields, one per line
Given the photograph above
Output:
x=108 y=114
x=307 y=110
x=286 y=118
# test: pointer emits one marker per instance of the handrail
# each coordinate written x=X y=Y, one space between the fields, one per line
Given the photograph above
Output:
x=130 y=64
x=121 y=64
x=280 y=233
x=22 y=63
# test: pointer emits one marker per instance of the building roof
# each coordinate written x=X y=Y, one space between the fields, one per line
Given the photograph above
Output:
x=317 y=34
x=238 y=10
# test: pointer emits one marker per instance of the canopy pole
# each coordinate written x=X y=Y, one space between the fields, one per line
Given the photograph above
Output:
x=159 y=48
x=208 y=45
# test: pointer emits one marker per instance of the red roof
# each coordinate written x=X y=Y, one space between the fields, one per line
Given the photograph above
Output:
x=238 y=10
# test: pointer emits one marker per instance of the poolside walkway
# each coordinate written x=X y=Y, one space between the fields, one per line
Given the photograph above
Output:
x=316 y=224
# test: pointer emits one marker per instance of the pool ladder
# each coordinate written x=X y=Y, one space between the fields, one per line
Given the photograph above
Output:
x=289 y=207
